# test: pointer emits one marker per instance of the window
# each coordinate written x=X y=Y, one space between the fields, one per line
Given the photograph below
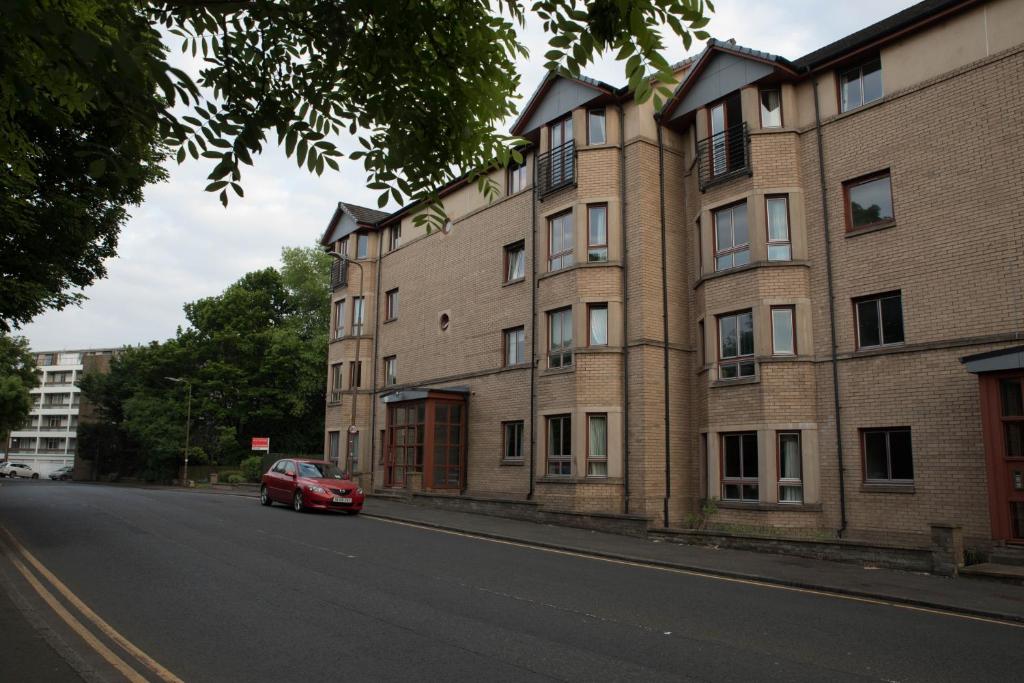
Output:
x=732 y=239
x=515 y=262
x=595 y=127
x=515 y=346
x=771 y=109
x=701 y=345
x=739 y=467
x=517 y=177
x=357 y=315
x=390 y=371
x=879 y=320
x=559 y=445
x=560 y=241
x=512 y=440
x=719 y=150
x=355 y=374
x=783 y=331
x=888 y=458
x=597 y=315
x=791 y=471
x=1011 y=413
x=560 y=338
x=394 y=236
x=860 y=85
x=597 y=233
x=336 y=381
x=780 y=247
x=343 y=247
x=736 y=345
x=339 y=319
x=597 y=445
x=700 y=250
x=334 y=447
x=391 y=305
x=869 y=201
x=362 y=245
x=561 y=161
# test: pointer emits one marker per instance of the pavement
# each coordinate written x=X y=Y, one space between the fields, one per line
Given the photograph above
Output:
x=962 y=595
x=219 y=588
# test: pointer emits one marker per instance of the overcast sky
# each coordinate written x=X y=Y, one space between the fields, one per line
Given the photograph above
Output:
x=181 y=245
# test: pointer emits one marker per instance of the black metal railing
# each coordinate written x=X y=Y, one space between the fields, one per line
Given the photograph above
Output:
x=723 y=156
x=339 y=273
x=557 y=168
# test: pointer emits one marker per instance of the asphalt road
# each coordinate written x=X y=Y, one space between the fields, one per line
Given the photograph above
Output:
x=217 y=588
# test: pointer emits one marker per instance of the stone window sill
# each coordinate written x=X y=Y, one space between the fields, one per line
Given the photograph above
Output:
x=855 y=232
x=735 y=382
x=558 y=371
x=579 y=266
x=768 y=507
x=517 y=281
x=801 y=263
x=887 y=488
x=512 y=463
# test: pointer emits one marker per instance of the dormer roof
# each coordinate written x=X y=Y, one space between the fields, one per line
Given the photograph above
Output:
x=556 y=96
x=348 y=218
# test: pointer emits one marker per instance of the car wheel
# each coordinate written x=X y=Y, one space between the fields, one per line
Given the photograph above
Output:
x=265 y=496
x=353 y=513
x=297 y=502
x=35 y=476
x=13 y=475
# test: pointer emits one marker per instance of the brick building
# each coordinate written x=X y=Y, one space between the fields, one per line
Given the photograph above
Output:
x=749 y=308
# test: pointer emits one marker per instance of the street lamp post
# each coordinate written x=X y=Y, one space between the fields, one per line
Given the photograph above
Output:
x=188 y=420
x=353 y=459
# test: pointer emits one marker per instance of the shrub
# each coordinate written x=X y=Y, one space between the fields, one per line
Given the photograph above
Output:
x=252 y=467
x=236 y=479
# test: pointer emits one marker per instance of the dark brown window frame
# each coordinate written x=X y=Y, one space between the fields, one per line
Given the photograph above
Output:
x=355 y=374
x=391 y=305
x=337 y=376
x=792 y=313
x=560 y=256
x=393 y=362
x=517 y=172
x=394 y=236
x=859 y=65
x=768 y=231
x=339 y=319
x=599 y=459
x=760 y=113
x=848 y=206
x=597 y=245
x=564 y=351
x=504 y=440
x=735 y=249
x=862 y=433
x=507 y=251
x=357 y=328
x=607 y=320
x=505 y=334
x=741 y=358
x=856 y=320
x=740 y=481
x=362 y=238
x=565 y=458
x=604 y=116
x=792 y=483
x=725 y=135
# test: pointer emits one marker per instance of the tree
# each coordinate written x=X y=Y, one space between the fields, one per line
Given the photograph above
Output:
x=255 y=357
x=18 y=375
x=89 y=99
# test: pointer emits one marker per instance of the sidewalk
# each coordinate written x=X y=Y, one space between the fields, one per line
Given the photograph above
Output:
x=966 y=596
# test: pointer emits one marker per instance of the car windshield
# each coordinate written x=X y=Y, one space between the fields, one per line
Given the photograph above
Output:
x=319 y=470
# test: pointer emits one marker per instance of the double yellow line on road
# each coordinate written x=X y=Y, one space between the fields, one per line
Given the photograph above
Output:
x=19 y=556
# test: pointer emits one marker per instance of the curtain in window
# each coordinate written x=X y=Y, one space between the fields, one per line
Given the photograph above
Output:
x=599 y=326
x=599 y=437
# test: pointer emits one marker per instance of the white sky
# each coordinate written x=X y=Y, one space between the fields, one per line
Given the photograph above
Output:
x=181 y=245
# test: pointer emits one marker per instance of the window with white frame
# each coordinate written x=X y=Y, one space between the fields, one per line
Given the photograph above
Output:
x=597 y=445
x=596 y=134
x=740 y=467
x=732 y=237
x=861 y=84
x=515 y=346
x=791 y=468
x=736 y=345
x=783 y=331
x=780 y=244
x=560 y=338
x=560 y=241
x=597 y=233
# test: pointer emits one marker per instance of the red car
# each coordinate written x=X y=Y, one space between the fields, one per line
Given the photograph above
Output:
x=310 y=484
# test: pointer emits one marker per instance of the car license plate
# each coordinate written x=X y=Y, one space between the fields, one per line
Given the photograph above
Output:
x=339 y=499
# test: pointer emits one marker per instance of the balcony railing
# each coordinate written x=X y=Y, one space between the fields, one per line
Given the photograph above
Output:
x=557 y=168
x=339 y=273
x=724 y=156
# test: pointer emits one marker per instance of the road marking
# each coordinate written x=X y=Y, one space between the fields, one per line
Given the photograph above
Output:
x=161 y=672
x=709 y=575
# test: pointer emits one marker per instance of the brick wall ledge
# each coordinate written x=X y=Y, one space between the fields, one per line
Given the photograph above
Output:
x=534 y=511
x=838 y=550
x=772 y=507
x=753 y=265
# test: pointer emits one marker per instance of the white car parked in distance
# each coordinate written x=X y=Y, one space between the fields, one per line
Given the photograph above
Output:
x=17 y=469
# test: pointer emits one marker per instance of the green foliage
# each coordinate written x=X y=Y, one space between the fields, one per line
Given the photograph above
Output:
x=252 y=467
x=18 y=375
x=236 y=479
x=80 y=113
x=254 y=357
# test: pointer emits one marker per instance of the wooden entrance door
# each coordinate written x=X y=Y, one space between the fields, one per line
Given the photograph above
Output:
x=1002 y=405
x=403 y=452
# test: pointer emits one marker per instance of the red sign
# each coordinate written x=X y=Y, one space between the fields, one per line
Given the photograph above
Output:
x=261 y=443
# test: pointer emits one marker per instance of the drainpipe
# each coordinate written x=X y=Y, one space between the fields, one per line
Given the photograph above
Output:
x=625 y=317
x=831 y=313
x=664 y=318
x=376 y=338
x=533 y=328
